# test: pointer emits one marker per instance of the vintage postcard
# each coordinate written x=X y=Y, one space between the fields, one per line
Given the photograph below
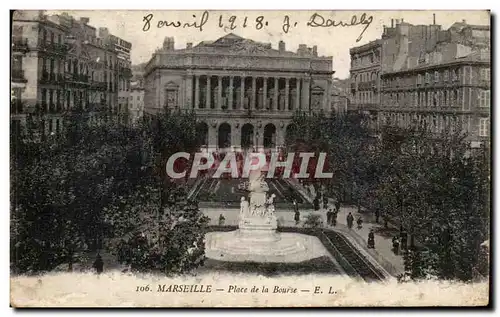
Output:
x=250 y=158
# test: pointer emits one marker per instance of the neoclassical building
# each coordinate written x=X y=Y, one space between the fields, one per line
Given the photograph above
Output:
x=244 y=92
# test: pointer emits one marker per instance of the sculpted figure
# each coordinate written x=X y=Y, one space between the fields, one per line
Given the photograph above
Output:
x=270 y=205
x=244 y=206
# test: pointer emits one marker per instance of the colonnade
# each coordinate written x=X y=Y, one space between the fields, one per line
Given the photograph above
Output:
x=250 y=93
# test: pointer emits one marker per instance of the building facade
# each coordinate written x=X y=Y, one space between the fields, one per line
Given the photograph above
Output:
x=136 y=103
x=244 y=92
x=122 y=71
x=365 y=75
x=434 y=78
x=59 y=64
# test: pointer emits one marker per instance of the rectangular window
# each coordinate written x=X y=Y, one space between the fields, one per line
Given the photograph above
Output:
x=483 y=126
x=436 y=76
x=171 y=98
x=484 y=98
x=427 y=78
x=485 y=74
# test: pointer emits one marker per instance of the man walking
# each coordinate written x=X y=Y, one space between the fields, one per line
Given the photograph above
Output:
x=350 y=220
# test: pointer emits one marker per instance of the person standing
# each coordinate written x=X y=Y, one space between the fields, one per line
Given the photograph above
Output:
x=371 y=240
x=350 y=220
x=98 y=264
x=297 y=217
x=329 y=215
x=334 y=218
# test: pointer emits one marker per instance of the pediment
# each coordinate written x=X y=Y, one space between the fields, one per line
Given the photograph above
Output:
x=171 y=85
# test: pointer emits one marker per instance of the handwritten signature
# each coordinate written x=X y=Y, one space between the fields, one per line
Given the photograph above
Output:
x=318 y=20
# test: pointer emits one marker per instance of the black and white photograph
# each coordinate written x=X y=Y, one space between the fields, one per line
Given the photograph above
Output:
x=205 y=158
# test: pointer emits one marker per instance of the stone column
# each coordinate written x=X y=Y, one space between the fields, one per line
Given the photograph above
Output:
x=287 y=93
x=305 y=94
x=219 y=93
x=326 y=97
x=242 y=94
x=276 y=90
x=297 y=95
x=264 y=94
x=254 y=93
x=230 y=99
x=208 y=95
x=197 y=92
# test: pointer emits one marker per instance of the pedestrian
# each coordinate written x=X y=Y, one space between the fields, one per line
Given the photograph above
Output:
x=350 y=220
x=395 y=245
x=359 y=222
x=98 y=264
x=329 y=215
x=316 y=203
x=297 y=217
x=337 y=205
x=377 y=214
x=325 y=201
x=334 y=218
x=222 y=220
x=371 y=240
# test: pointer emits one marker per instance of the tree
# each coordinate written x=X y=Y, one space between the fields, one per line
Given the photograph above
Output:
x=170 y=241
x=431 y=186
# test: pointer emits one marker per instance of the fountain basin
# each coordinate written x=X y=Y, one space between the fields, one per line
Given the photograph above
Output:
x=262 y=246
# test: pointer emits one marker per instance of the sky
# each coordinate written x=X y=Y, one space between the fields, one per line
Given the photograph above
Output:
x=334 y=41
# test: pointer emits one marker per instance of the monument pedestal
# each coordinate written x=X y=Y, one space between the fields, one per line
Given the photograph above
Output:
x=257 y=239
x=258 y=229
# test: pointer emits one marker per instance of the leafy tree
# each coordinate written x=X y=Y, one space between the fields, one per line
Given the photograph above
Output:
x=170 y=240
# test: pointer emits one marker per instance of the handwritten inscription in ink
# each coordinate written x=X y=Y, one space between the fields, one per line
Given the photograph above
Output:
x=231 y=22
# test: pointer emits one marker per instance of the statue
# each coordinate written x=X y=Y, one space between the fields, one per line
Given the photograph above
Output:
x=244 y=207
x=270 y=206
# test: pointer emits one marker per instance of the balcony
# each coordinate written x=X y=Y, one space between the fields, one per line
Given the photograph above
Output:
x=20 y=44
x=51 y=78
x=77 y=79
x=55 y=48
x=17 y=76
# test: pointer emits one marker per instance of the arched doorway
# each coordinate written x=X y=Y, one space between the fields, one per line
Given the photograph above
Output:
x=202 y=134
x=224 y=140
x=269 y=136
x=247 y=136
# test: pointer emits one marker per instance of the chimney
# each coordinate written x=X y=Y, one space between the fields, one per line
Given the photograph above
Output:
x=392 y=23
x=281 y=46
x=315 y=51
x=434 y=18
x=84 y=20
x=189 y=45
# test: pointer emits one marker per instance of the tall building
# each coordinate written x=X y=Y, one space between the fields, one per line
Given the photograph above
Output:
x=434 y=78
x=245 y=92
x=122 y=73
x=136 y=104
x=59 y=64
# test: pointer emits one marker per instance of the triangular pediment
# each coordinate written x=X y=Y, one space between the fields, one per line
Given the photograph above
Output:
x=228 y=39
